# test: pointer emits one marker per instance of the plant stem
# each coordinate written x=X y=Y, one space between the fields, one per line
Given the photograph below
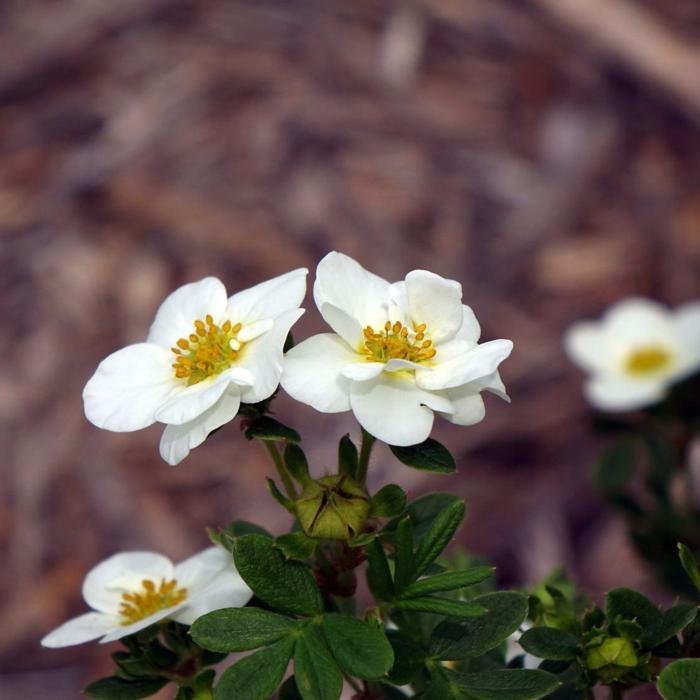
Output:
x=365 y=452
x=277 y=460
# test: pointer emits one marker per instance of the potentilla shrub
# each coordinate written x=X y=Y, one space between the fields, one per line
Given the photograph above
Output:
x=436 y=628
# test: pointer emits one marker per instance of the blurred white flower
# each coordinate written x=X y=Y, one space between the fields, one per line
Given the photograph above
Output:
x=204 y=355
x=635 y=352
x=133 y=590
x=399 y=352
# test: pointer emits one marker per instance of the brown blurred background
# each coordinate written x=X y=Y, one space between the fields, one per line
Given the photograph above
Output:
x=545 y=153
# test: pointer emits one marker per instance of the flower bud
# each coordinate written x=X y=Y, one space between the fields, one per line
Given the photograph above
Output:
x=333 y=507
x=612 y=659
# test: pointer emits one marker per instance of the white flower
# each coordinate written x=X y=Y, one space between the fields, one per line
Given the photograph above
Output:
x=132 y=590
x=204 y=355
x=399 y=352
x=635 y=352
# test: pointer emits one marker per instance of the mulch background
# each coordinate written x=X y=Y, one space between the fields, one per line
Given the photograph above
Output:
x=146 y=144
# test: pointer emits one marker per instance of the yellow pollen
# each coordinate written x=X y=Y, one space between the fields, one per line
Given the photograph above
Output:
x=647 y=360
x=150 y=600
x=397 y=342
x=207 y=353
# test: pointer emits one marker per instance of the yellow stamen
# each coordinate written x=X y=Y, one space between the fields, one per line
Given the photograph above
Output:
x=151 y=599
x=207 y=353
x=397 y=341
x=648 y=360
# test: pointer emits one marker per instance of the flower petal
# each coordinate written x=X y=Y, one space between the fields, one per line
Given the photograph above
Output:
x=348 y=328
x=121 y=573
x=470 y=330
x=344 y=283
x=254 y=330
x=83 y=628
x=178 y=440
x=638 y=321
x=191 y=302
x=191 y=402
x=467 y=406
x=212 y=582
x=268 y=299
x=312 y=373
x=197 y=571
x=394 y=409
x=589 y=346
x=478 y=362
x=125 y=630
x=128 y=387
x=618 y=394
x=262 y=357
x=686 y=322
x=226 y=590
x=362 y=371
x=435 y=301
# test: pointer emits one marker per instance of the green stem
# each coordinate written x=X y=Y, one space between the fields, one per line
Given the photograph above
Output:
x=365 y=452
x=277 y=460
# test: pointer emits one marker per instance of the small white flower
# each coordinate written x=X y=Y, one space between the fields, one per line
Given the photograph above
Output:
x=204 y=355
x=133 y=590
x=399 y=352
x=635 y=352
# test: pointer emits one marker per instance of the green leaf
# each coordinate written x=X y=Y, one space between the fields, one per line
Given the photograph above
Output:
x=360 y=648
x=316 y=674
x=440 y=606
x=115 y=688
x=422 y=512
x=507 y=685
x=362 y=539
x=256 y=677
x=388 y=502
x=378 y=572
x=438 y=536
x=673 y=621
x=296 y=545
x=295 y=461
x=279 y=496
x=455 y=639
x=224 y=537
x=348 y=458
x=267 y=428
x=239 y=629
x=690 y=564
x=409 y=658
x=429 y=456
x=448 y=581
x=680 y=680
x=403 y=555
x=550 y=643
x=285 y=585
x=631 y=605
x=614 y=468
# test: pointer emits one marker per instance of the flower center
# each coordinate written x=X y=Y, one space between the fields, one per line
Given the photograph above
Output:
x=647 y=360
x=150 y=600
x=397 y=342
x=206 y=352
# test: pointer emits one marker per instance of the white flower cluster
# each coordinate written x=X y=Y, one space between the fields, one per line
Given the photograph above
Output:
x=399 y=353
